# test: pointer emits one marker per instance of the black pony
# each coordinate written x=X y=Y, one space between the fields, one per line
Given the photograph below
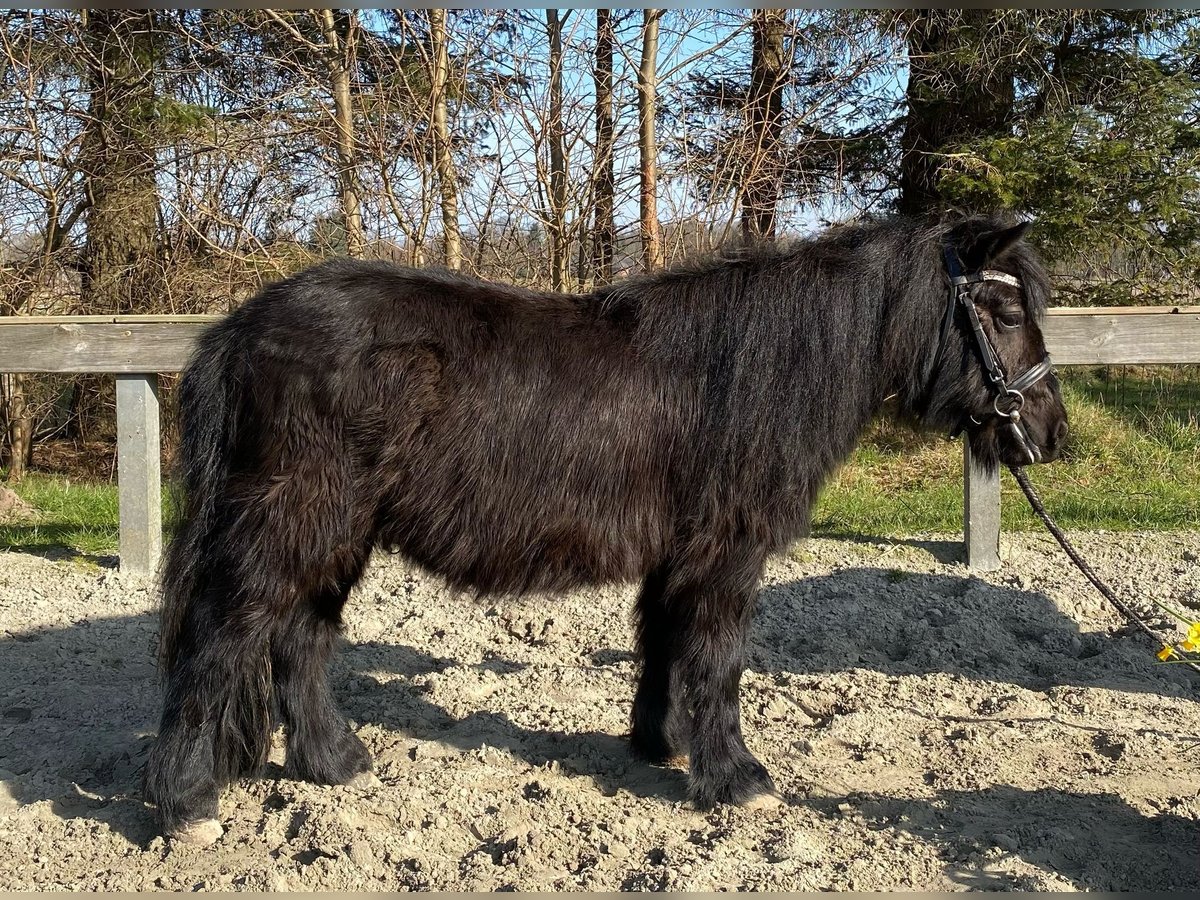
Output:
x=672 y=429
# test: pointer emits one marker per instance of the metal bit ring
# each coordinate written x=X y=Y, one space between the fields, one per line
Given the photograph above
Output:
x=1015 y=412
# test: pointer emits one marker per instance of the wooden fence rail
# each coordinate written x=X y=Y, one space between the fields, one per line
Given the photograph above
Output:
x=136 y=349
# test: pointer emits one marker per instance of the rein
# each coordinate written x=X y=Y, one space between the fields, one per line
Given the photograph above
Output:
x=1008 y=396
x=1131 y=615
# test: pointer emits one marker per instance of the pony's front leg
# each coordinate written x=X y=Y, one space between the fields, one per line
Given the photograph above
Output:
x=713 y=608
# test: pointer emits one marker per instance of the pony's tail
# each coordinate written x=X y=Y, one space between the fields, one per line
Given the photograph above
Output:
x=209 y=400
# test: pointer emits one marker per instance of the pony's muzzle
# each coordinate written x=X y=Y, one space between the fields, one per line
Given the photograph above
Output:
x=1055 y=441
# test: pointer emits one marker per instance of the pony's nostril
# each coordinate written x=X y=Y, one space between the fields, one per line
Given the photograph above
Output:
x=1060 y=433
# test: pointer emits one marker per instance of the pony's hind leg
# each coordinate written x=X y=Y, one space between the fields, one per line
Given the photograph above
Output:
x=269 y=560
x=660 y=723
x=320 y=745
x=216 y=717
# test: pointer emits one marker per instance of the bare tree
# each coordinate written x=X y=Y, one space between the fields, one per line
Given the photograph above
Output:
x=41 y=190
x=604 y=177
x=652 y=255
x=557 y=213
x=447 y=176
x=338 y=54
x=336 y=50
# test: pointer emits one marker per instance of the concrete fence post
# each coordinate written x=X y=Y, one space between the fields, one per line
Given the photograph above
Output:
x=981 y=514
x=138 y=472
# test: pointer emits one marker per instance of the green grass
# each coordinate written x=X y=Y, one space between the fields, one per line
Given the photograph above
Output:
x=70 y=515
x=81 y=516
x=1133 y=462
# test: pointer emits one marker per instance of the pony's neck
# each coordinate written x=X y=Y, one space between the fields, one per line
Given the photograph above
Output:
x=915 y=304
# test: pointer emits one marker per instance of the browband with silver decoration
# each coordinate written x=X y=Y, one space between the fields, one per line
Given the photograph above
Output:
x=1002 y=277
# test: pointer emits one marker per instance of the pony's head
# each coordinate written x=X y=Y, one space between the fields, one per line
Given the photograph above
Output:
x=990 y=374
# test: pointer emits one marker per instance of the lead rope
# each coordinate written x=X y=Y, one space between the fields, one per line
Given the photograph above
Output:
x=1130 y=614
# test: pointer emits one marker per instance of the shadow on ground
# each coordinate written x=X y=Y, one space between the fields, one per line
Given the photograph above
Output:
x=904 y=623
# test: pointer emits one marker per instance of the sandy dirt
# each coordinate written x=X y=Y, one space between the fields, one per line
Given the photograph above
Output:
x=928 y=729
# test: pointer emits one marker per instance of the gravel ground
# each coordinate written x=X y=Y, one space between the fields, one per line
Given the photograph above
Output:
x=929 y=730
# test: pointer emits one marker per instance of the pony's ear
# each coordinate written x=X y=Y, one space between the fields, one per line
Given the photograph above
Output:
x=990 y=245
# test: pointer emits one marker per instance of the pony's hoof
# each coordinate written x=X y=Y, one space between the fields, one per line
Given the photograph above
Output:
x=364 y=780
x=200 y=833
x=765 y=802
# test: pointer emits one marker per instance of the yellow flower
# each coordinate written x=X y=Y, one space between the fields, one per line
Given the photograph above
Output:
x=1166 y=653
x=1191 y=643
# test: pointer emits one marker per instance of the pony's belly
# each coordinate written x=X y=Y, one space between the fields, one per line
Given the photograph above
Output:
x=523 y=550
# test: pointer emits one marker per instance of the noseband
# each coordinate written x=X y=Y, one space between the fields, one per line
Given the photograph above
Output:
x=1008 y=396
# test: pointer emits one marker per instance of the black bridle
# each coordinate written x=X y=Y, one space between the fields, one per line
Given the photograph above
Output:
x=1009 y=396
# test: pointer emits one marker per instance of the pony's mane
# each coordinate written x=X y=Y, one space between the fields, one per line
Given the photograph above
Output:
x=749 y=324
x=840 y=244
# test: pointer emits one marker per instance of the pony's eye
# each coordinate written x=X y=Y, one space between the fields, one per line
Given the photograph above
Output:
x=1010 y=319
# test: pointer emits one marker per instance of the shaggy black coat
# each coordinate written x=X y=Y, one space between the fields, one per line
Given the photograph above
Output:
x=672 y=429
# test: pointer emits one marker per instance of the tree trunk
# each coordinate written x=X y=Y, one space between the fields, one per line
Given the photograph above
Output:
x=768 y=71
x=647 y=77
x=604 y=233
x=19 y=432
x=121 y=265
x=338 y=60
x=447 y=178
x=557 y=224
x=960 y=88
